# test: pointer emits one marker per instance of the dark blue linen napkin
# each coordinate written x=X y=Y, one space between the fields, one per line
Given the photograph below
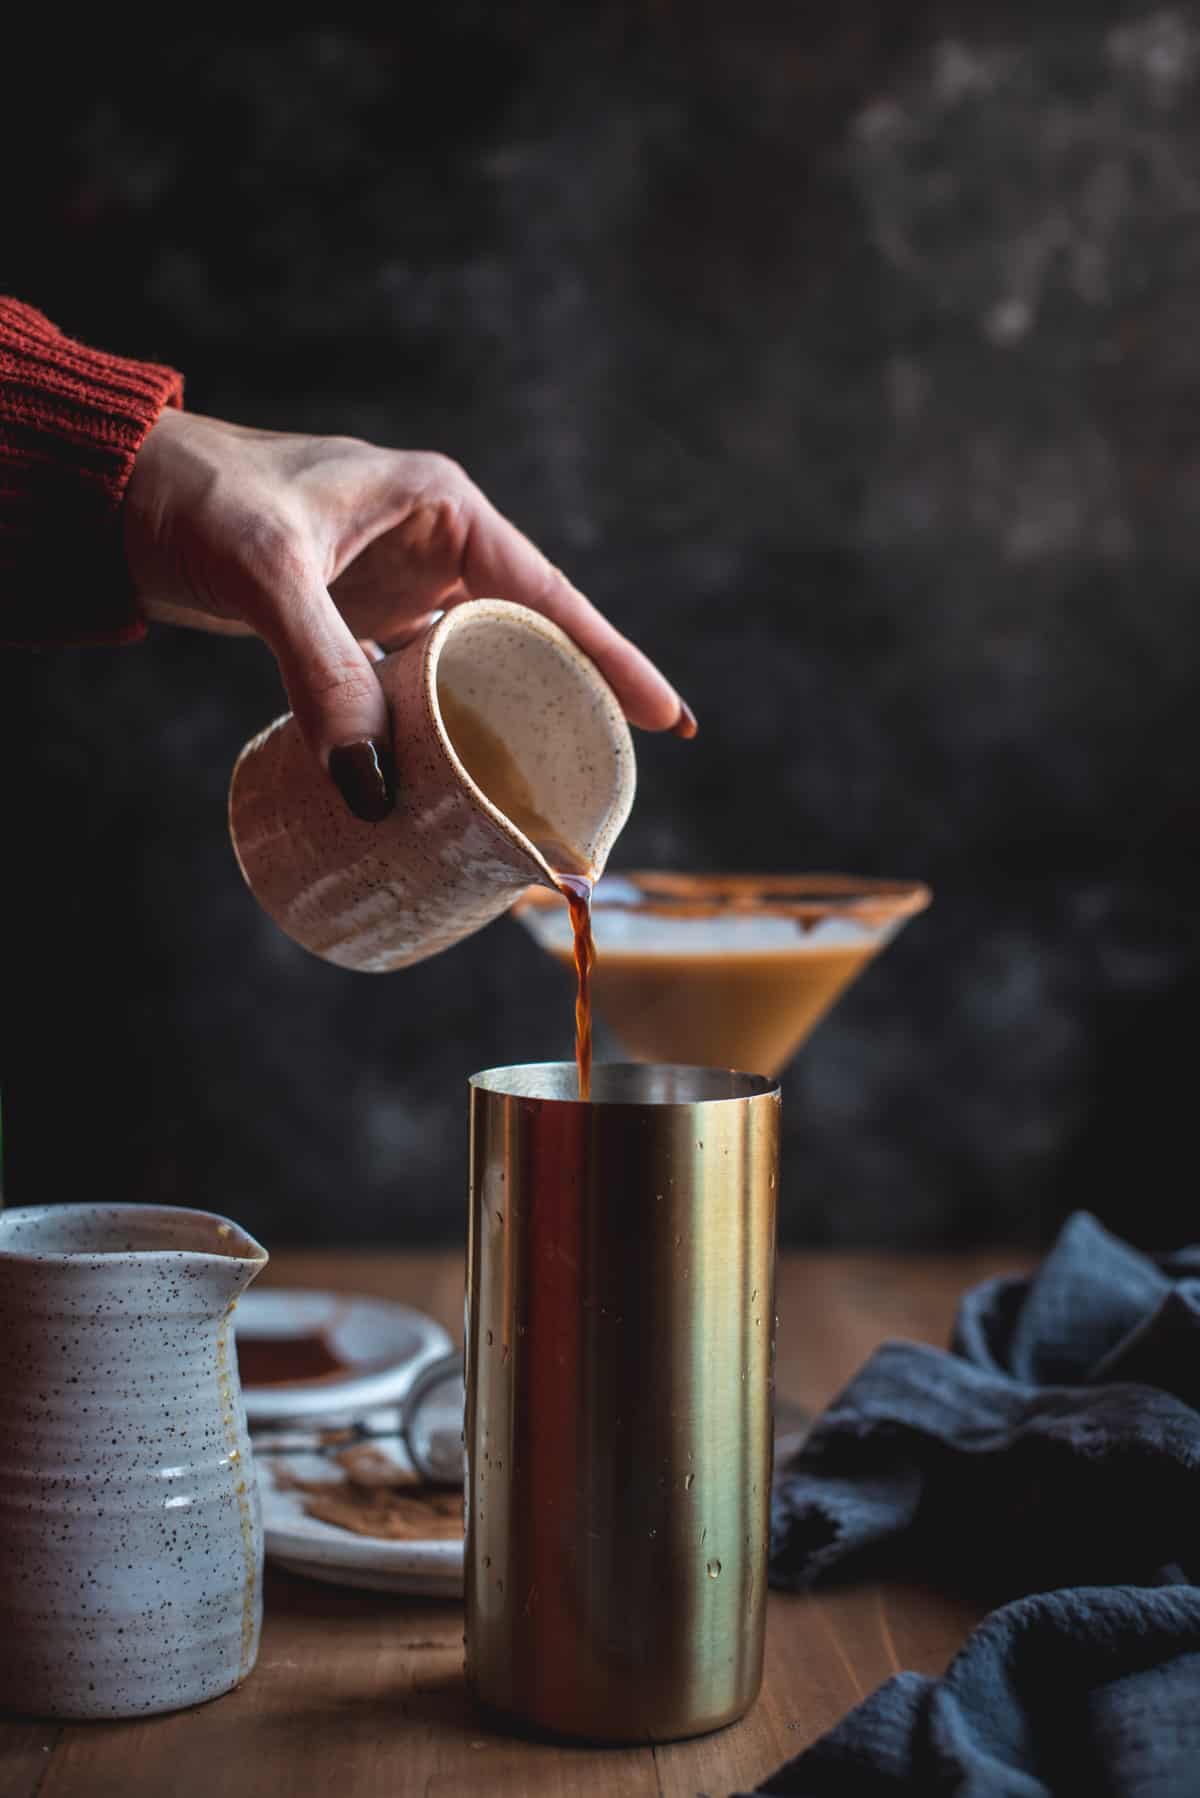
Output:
x=1050 y=1463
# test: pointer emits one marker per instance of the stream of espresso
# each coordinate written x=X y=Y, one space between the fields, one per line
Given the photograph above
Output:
x=486 y=758
x=576 y=889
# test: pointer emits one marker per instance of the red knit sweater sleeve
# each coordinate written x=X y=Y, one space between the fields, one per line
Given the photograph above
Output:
x=72 y=419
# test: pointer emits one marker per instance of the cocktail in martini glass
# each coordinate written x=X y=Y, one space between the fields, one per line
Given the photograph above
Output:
x=725 y=970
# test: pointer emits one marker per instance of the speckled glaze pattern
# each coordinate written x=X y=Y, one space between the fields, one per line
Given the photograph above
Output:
x=446 y=861
x=130 y=1531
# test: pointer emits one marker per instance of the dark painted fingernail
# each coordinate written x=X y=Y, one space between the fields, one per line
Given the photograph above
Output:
x=685 y=725
x=364 y=777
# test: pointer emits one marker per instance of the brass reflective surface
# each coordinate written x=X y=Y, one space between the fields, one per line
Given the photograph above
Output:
x=620 y=1337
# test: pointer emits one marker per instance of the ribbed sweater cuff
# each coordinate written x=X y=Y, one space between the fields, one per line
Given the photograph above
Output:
x=72 y=420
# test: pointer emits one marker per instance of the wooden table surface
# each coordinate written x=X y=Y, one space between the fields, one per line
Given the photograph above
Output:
x=359 y=1694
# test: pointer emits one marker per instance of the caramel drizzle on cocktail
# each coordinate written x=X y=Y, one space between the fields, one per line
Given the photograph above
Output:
x=808 y=899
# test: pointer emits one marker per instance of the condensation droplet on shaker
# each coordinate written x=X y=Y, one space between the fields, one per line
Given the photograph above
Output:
x=714 y=1569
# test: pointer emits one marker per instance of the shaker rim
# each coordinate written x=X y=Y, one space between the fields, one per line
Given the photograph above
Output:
x=550 y=1082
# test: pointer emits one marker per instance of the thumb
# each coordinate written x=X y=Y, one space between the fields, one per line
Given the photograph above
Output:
x=336 y=697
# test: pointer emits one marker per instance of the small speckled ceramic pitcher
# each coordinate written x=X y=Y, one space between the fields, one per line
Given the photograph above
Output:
x=493 y=685
x=130 y=1534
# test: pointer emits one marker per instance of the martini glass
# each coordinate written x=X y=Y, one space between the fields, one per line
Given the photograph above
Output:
x=726 y=971
x=730 y=971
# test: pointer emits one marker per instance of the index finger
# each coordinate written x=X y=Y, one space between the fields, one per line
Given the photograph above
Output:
x=500 y=562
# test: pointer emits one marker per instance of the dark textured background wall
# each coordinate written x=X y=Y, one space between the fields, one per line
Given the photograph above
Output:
x=850 y=357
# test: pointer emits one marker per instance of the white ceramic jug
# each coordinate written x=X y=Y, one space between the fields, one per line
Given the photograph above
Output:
x=493 y=684
x=130 y=1534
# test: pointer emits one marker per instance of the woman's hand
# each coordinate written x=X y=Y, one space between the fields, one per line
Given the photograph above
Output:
x=318 y=542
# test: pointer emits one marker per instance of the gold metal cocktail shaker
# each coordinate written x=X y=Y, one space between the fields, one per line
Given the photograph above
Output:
x=620 y=1338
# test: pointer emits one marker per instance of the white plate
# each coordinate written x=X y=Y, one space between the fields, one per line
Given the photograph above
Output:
x=382 y=1347
x=404 y=1582
x=320 y=1550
